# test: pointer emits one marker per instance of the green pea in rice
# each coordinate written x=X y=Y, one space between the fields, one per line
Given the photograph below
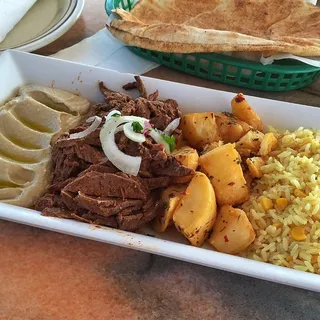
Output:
x=296 y=166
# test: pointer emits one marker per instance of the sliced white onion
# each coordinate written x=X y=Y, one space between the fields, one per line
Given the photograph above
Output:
x=93 y=118
x=96 y=121
x=124 y=162
x=120 y=128
x=156 y=136
x=127 y=127
x=112 y=113
x=141 y=120
x=124 y=119
x=173 y=125
x=130 y=134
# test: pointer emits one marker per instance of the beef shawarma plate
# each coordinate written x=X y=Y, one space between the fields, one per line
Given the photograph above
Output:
x=214 y=177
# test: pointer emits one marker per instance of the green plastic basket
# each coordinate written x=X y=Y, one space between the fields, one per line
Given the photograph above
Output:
x=284 y=75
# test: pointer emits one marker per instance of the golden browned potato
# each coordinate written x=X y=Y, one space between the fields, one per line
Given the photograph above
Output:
x=242 y=110
x=187 y=156
x=268 y=144
x=232 y=232
x=211 y=146
x=223 y=167
x=246 y=127
x=244 y=152
x=170 y=198
x=251 y=140
x=199 y=129
x=254 y=166
x=231 y=129
x=196 y=212
x=250 y=143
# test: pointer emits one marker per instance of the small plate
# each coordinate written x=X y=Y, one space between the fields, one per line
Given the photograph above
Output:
x=45 y=22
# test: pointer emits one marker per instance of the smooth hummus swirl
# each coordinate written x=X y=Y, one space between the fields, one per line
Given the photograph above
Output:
x=29 y=125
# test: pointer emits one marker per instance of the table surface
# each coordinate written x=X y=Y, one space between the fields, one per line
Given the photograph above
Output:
x=46 y=275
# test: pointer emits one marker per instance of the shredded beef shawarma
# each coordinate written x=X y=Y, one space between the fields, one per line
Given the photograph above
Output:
x=89 y=188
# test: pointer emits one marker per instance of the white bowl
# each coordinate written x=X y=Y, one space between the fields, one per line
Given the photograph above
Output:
x=45 y=22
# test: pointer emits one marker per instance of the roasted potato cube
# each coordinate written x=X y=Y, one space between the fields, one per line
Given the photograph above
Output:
x=254 y=166
x=268 y=144
x=249 y=144
x=211 y=146
x=245 y=153
x=223 y=167
x=245 y=126
x=196 y=212
x=232 y=232
x=199 y=129
x=251 y=141
x=229 y=127
x=242 y=110
x=187 y=156
x=170 y=198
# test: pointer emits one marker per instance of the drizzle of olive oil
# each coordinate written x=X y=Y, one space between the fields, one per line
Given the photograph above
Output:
x=42 y=98
x=58 y=107
x=9 y=157
x=34 y=125
x=13 y=194
x=23 y=144
x=8 y=184
x=55 y=106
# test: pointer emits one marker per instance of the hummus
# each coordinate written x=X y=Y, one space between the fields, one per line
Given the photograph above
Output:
x=29 y=125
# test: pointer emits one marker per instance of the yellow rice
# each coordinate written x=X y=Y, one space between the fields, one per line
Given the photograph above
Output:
x=295 y=167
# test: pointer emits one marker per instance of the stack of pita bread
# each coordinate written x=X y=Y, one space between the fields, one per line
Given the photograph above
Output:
x=187 y=26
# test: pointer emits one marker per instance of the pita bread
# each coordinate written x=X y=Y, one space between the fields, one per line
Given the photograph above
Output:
x=184 y=26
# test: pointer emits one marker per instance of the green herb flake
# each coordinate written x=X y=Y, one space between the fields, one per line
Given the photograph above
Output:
x=116 y=115
x=170 y=140
x=137 y=127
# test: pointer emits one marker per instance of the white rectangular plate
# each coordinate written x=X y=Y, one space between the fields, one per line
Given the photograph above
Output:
x=18 y=68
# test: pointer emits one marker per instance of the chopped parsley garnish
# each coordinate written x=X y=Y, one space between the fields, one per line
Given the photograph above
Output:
x=116 y=115
x=170 y=140
x=137 y=127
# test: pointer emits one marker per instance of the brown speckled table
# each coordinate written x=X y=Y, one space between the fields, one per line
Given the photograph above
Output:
x=50 y=276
